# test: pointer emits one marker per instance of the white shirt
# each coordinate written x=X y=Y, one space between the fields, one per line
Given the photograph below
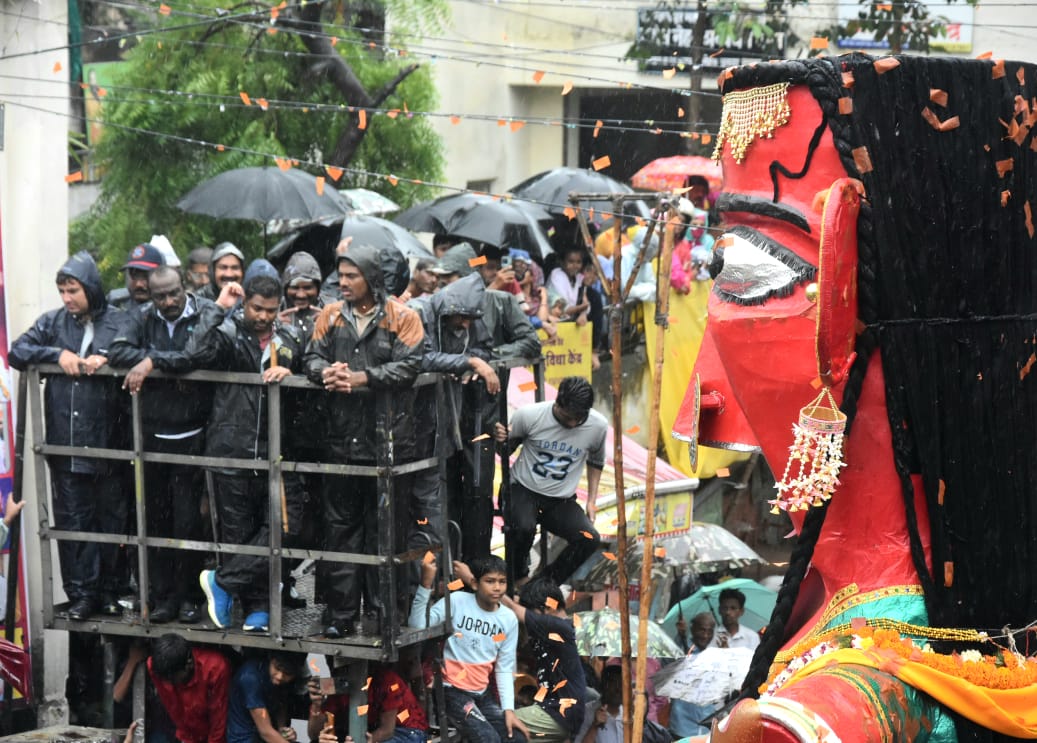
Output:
x=743 y=638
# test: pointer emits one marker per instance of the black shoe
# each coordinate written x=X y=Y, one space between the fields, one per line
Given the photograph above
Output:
x=110 y=607
x=164 y=612
x=340 y=629
x=82 y=608
x=190 y=612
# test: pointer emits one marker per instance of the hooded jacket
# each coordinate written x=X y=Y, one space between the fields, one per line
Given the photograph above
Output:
x=389 y=350
x=209 y=290
x=395 y=274
x=79 y=411
x=238 y=422
x=303 y=266
x=168 y=406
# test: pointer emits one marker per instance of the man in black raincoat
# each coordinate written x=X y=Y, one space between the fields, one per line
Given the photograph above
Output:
x=243 y=338
x=81 y=410
x=226 y=264
x=366 y=350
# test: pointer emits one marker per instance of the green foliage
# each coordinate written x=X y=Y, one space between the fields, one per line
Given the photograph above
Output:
x=186 y=84
x=904 y=24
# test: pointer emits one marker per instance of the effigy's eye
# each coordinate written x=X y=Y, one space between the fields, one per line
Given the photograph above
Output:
x=751 y=268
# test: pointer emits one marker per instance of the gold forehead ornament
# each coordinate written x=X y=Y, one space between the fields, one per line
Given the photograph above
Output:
x=749 y=114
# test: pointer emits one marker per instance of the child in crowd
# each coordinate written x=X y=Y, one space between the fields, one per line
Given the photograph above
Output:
x=254 y=708
x=484 y=641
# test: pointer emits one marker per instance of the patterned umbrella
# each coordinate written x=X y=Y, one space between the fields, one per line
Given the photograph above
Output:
x=597 y=634
x=668 y=173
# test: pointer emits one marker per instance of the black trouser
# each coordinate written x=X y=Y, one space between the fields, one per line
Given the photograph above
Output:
x=94 y=503
x=469 y=496
x=244 y=508
x=174 y=493
x=562 y=517
x=352 y=513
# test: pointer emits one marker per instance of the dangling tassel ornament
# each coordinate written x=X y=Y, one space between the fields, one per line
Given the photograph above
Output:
x=815 y=457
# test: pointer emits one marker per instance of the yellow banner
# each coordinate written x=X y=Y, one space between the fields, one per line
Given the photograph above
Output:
x=568 y=354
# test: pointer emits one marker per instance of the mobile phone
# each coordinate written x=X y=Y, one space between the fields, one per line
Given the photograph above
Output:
x=505 y=261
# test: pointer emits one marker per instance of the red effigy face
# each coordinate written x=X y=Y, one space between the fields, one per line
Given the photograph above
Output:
x=759 y=314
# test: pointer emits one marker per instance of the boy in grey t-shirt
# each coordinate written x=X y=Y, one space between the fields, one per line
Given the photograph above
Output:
x=557 y=438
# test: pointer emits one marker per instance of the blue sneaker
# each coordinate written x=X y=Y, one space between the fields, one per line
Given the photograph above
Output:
x=219 y=600
x=257 y=621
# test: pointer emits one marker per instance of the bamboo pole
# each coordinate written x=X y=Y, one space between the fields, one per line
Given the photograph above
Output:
x=662 y=309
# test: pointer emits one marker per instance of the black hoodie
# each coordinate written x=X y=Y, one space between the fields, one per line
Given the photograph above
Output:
x=80 y=411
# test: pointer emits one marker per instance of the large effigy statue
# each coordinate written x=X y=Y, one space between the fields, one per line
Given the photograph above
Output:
x=873 y=329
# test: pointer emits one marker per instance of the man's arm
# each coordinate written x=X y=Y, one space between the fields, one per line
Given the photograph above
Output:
x=128 y=349
x=37 y=345
x=407 y=350
x=515 y=606
x=422 y=596
x=264 y=726
x=520 y=337
x=593 y=480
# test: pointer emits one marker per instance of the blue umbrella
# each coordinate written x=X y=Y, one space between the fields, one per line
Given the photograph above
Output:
x=759 y=603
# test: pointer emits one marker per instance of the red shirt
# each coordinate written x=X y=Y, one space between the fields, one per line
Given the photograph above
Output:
x=199 y=707
x=381 y=696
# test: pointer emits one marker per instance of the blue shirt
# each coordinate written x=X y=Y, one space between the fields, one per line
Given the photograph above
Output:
x=251 y=689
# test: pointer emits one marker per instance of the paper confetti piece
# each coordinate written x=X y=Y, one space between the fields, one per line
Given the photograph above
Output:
x=541 y=694
x=459 y=634
x=555 y=664
x=597 y=128
x=500 y=637
x=429 y=558
x=862 y=160
x=633 y=429
x=602 y=162
x=998 y=70
x=888 y=7
x=422 y=522
x=392 y=179
x=948 y=574
x=245 y=99
x=74 y=177
x=942 y=491
x=318 y=182
x=538 y=76
x=1029 y=365
x=587 y=534
x=516 y=125
x=1020 y=75
x=660 y=552
x=1004 y=166
x=567 y=87
x=819 y=42
x=816 y=383
x=560 y=684
x=527 y=386
x=550 y=603
x=477 y=261
x=939 y=97
x=404 y=715
x=846 y=105
x=952 y=123
x=723 y=472
x=848 y=80
x=361 y=710
x=885 y=64
x=555 y=637
x=263 y=103
x=367 y=684
x=56 y=67
x=564 y=704
x=502 y=122
x=571 y=213
x=164 y=9
x=984 y=55
x=361 y=119
x=577 y=622
x=931 y=118
x=455 y=585
x=333 y=172
x=283 y=163
x=608 y=556
x=220 y=148
x=393 y=113
x=1005 y=196
x=669 y=72
x=455 y=120
x=707 y=138
x=481 y=437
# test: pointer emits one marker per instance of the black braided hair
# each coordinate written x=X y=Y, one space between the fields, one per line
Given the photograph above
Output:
x=948 y=293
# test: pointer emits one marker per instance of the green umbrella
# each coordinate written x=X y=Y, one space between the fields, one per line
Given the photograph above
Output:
x=759 y=603
x=597 y=634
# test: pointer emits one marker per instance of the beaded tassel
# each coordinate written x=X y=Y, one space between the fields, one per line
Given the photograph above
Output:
x=815 y=457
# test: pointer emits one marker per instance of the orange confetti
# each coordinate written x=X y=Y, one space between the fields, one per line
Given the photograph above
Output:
x=561 y=683
x=1029 y=365
x=714 y=55
x=220 y=148
x=846 y=105
x=942 y=491
x=57 y=67
x=985 y=55
x=527 y=386
x=885 y=64
x=669 y=72
x=274 y=12
x=429 y=558
x=404 y=714
x=571 y=213
x=245 y=99
x=516 y=125
x=660 y=552
x=74 y=177
x=392 y=179
x=333 y=172
x=481 y=437
x=550 y=603
x=567 y=87
x=608 y=555
x=361 y=119
x=477 y=261
x=723 y=472
x=1004 y=166
x=318 y=182
x=283 y=163
x=334 y=40
x=500 y=637
x=501 y=122
x=455 y=585
x=538 y=76
x=272 y=30
x=541 y=694
x=367 y=684
x=587 y=534
x=998 y=70
x=597 y=128
x=577 y=622
x=555 y=637
x=394 y=687
x=361 y=710
x=455 y=120
x=707 y=138
x=633 y=429
x=952 y=123
x=1020 y=75
x=602 y=162
x=263 y=103
x=819 y=42
x=164 y=9
x=459 y=634
x=862 y=160
x=888 y=7
x=848 y=80
x=948 y=574
x=937 y=96
x=1005 y=196
x=393 y=113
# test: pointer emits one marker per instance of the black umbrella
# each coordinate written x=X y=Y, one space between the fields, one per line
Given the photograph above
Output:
x=434 y=215
x=552 y=188
x=264 y=194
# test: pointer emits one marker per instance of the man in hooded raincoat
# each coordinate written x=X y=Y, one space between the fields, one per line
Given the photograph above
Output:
x=81 y=411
